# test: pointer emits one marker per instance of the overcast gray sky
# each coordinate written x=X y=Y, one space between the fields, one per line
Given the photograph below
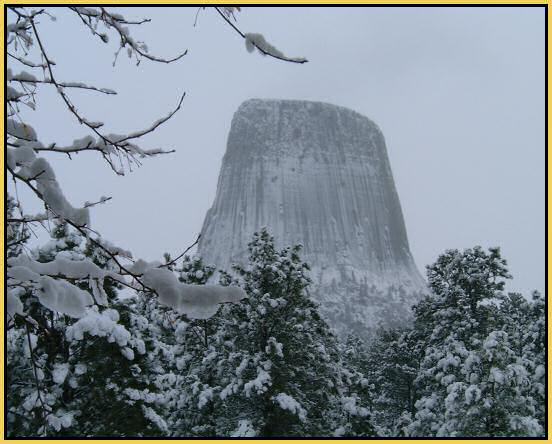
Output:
x=457 y=92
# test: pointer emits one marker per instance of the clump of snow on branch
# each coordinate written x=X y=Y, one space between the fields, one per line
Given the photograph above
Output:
x=196 y=301
x=13 y=303
x=245 y=429
x=39 y=170
x=257 y=41
x=104 y=324
x=63 y=297
x=289 y=403
x=60 y=266
x=260 y=383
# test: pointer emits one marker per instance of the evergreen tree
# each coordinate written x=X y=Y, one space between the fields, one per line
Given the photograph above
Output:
x=524 y=322
x=75 y=376
x=391 y=363
x=272 y=368
x=180 y=345
x=470 y=381
x=360 y=421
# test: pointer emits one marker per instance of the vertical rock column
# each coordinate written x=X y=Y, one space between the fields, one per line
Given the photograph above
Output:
x=319 y=175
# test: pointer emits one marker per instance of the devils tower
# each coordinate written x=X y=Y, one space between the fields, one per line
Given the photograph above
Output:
x=319 y=175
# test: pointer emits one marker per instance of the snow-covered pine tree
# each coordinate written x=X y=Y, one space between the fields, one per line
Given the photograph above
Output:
x=535 y=350
x=160 y=329
x=499 y=399
x=357 y=392
x=119 y=376
x=179 y=345
x=73 y=375
x=523 y=320
x=271 y=368
x=471 y=384
x=194 y=271
x=391 y=365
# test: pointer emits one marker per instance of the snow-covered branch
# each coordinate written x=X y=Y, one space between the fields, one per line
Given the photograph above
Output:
x=107 y=143
x=172 y=262
x=152 y=127
x=258 y=41
x=149 y=277
x=117 y=22
x=25 y=77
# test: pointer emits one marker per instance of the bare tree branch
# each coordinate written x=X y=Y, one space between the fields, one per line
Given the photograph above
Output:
x=155 y=125
x=172 y=262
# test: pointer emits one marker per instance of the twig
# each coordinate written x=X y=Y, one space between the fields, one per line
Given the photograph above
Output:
x=27 y=220
x=172 y=262
x=155 y=125
x=91 y=204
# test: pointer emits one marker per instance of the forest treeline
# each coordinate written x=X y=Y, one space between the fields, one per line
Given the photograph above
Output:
x=471 y=364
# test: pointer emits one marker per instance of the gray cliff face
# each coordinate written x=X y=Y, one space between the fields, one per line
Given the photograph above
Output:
x=319 y=175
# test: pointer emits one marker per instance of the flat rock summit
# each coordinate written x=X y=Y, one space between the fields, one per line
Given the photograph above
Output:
x=319 y=175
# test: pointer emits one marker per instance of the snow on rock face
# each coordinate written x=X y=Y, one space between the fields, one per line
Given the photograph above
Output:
x=318 y=175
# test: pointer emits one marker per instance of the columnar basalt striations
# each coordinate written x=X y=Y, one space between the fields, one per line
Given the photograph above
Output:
x=319 y=175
